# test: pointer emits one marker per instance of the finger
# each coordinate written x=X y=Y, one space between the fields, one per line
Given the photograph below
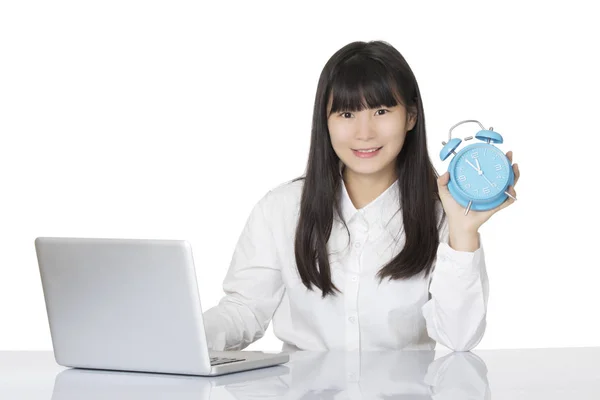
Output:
x=442 y=183
x=508 y=200
x=443 y=180
x=513 y=192
x=509 y=155
x=517 y=173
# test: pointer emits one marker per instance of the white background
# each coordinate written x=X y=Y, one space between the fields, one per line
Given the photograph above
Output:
x=169 y=120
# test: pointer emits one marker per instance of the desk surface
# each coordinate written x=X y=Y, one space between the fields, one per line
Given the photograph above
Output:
x=569 y=373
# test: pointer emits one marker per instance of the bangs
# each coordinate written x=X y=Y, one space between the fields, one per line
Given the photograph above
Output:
x=362 y=84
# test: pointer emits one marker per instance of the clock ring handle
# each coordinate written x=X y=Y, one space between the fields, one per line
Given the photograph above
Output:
x=463 y=122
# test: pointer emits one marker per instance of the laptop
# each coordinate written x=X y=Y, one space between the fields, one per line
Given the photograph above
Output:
x=131 y=305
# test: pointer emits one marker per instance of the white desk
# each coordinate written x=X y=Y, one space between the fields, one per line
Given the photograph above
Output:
x=481 y=374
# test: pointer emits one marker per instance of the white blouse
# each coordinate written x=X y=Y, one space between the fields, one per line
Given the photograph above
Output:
x=263 y=283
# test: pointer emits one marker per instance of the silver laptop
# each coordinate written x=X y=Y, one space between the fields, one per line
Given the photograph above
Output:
x=131 y=305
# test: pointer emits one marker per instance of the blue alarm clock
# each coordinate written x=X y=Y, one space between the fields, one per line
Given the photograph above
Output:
x=480 y=173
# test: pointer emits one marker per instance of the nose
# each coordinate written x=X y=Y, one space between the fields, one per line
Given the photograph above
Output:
x=365 y=128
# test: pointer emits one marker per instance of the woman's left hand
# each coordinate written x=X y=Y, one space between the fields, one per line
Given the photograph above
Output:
x=474 y=219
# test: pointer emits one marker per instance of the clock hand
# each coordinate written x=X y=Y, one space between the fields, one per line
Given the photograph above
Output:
x=474 y=167
x=481 y=173
x=491 y=184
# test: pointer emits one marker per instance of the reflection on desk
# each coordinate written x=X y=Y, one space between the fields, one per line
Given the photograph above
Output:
x=531 y=374
x=335 y=375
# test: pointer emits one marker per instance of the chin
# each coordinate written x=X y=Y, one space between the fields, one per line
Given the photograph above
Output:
x=366 y=169
x=368 y=166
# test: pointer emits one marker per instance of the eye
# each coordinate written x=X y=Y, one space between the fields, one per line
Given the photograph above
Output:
x=344 y=113
x=383 y=109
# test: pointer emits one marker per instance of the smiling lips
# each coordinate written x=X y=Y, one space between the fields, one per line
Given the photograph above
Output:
x=367 y=153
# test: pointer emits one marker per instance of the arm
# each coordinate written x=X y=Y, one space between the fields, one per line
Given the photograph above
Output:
x=253 y=287
x=455 y=314
x=458 y=288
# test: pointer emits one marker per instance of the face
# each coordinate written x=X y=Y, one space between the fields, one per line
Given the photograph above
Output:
x=382 y=128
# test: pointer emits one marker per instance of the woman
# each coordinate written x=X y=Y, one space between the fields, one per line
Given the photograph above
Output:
x=368 y=250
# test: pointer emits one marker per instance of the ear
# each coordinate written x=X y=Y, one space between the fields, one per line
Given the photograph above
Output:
x=412 y=121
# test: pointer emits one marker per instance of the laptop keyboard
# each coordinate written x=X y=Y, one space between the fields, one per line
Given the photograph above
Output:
x=223 y=360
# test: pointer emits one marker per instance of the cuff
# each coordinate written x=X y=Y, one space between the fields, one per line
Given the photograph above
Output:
x=466 y=261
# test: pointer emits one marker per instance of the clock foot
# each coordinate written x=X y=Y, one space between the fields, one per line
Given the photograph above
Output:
x=468 y=207
x=510 y=195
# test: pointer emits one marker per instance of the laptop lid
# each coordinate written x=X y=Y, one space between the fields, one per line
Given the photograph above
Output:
x=123 y=304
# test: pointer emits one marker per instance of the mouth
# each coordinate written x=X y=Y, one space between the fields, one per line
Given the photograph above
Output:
x=369 y=150
x=367 y=153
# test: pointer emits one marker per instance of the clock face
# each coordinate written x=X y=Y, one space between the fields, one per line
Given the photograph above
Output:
x=481 y=171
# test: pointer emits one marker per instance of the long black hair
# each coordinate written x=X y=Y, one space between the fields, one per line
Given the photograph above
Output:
x=367 y=75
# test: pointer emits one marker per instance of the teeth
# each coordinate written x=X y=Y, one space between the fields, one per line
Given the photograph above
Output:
x=367 y=151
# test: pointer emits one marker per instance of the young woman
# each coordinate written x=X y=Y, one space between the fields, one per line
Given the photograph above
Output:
x=368 y=250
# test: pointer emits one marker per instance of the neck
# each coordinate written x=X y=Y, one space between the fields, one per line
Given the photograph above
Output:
x=363 y=189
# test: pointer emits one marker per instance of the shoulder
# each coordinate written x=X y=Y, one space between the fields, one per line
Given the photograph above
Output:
x=286 y=192
x=283 y=197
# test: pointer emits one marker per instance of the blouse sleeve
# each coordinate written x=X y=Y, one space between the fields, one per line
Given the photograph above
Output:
x=253 y=287
x=455 y=314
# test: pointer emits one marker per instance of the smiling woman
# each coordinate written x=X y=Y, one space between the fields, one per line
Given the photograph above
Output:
x=357 y=253
x=368 y=98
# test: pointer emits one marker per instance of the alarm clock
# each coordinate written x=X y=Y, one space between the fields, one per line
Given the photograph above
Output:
x=480 y=173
